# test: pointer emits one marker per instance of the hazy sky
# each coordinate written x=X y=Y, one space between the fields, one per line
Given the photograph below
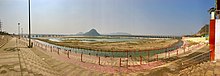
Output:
x=146 y=17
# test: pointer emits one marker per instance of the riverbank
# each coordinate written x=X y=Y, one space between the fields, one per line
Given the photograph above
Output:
x=145 y=44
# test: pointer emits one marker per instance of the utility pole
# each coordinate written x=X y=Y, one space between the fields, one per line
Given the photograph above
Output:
x=1 y=26
x=18 y=30
x=22 y=32
x=29 y=35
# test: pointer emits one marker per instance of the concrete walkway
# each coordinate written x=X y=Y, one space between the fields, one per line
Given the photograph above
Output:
x=18 y=60
x=9 y=60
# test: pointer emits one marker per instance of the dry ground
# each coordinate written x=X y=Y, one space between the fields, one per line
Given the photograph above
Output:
x=133 y=45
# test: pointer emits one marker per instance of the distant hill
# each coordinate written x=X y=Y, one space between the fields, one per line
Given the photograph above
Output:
x=119 y=33
x=92 y=32
x=203 y=31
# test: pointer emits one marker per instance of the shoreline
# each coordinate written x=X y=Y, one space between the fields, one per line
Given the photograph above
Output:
x=113 y=49
x=122 y=54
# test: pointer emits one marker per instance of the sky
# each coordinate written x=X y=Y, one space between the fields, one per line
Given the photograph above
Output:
x=137 y=17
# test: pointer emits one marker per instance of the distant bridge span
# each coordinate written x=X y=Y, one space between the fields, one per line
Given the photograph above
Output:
x=43 y=35
x=141 y=36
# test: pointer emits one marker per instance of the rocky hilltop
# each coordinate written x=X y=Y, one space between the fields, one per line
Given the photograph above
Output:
x=203 y=31
x=92 y=32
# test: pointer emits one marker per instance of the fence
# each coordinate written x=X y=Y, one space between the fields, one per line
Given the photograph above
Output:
x=126 y=58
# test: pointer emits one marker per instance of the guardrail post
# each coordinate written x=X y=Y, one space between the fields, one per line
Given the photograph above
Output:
x=148 y=56
x=120 y=62
x=54 y=49
x=58 y=51
x=48 y=47
x=45 y=47
x=184 y=49
x=51 y=48
x=165 y=52
x=112 y=54
x=81 y=57
x=176 y=52
x=169 y=54
x=157 y=57
x=140 y=60
x=99 y=60
x=127 y=59
x=68 y=53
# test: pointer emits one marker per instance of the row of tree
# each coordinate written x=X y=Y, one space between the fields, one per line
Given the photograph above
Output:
x=4 y=33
